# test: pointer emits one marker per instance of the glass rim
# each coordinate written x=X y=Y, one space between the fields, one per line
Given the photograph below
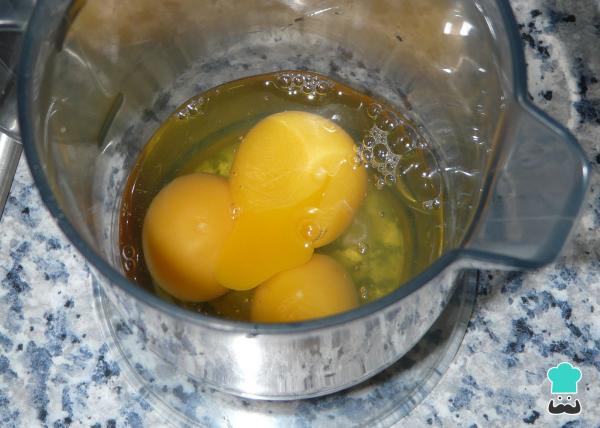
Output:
x=29 y=51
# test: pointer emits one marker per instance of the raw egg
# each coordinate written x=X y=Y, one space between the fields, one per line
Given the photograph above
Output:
x=316 y=289
x=184 y=229
x=296 y=187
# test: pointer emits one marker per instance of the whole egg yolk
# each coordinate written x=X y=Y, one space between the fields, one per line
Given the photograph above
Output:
x=316 y=289
x=296 y=187
x=184 y=229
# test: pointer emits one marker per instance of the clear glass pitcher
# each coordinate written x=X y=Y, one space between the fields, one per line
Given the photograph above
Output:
x=98 y=77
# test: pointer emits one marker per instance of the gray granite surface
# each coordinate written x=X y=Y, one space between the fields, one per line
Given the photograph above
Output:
x=56 y=370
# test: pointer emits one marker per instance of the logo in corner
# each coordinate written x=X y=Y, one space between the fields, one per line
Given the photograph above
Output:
x=564 y=378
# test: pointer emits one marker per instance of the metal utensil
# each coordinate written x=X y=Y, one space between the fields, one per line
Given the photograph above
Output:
x=12 y=26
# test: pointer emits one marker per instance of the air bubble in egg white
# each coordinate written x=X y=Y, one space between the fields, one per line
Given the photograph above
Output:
x=284 y=80
x=305 y=83
x=363 y=248
x=368 y=141
x=364 y=293
x=128 y=252
x=308 y=87
x=380 y=152
x=400 y=141
x=129 y=265
x=432 y=204
x=390 y=167
x=311 y=231
x=390 y=179
x=387 y=121
x=322 y=88
x=374 y=110
x=367 y=155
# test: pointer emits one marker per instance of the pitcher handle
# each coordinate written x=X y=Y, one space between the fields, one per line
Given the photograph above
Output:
x=535 y=195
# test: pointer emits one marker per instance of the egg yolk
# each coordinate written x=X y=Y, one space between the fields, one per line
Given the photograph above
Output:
x=183 y=232
x=296 y=187
x=316 y=289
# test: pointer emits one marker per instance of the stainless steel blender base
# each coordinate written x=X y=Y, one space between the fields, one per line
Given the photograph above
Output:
x=381 y=401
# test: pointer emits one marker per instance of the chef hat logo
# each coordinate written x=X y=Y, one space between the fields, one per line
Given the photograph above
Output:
x=564 y=378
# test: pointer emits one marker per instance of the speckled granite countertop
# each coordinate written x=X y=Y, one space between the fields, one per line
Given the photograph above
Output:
x=55 y=369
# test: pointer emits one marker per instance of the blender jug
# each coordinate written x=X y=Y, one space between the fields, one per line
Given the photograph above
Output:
x=97 y=78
